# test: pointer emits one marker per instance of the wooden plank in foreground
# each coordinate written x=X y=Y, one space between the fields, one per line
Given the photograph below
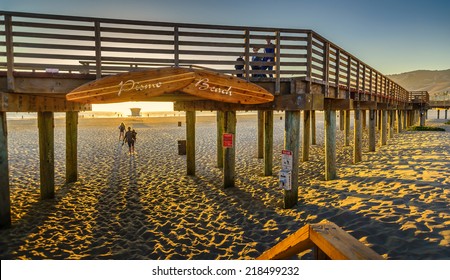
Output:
x=338 y=244
x=326 y=236
x=293 y=244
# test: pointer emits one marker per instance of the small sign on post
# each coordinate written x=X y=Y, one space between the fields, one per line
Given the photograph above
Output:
x=286 y=160
x=285 y=174
x=227 y=140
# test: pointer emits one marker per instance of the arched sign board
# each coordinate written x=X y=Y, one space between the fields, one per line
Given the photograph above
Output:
x=144 y=85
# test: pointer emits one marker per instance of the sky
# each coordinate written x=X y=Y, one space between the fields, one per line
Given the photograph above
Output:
x=391 y=36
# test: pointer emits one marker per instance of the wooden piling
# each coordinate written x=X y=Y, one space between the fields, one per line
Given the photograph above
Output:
x=306 y=135
x=379 y=117
x=330 y=144
x=190 y=142
x=71 y=146
x=357 y=147
x=260 y=134
x=372 y=129
x=341 y=120
x=313 y=128
x=47 y=154
x=422 y=117
x=347 y=128
x=292 y=143
x=364 y=119
x=383 y=133
x=5 y=199
x=220 y=118
x=405 y=122
x=268 y=143
x=229 y=154
x=399 y=121
x=391 y=124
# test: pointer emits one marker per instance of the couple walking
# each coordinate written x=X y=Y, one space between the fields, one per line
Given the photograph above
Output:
x=269 y=50
x=129 y=137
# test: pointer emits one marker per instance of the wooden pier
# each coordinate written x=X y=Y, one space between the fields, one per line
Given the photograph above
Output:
x=48 y=56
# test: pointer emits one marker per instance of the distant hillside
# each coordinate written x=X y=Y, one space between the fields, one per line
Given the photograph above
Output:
x=435 y=82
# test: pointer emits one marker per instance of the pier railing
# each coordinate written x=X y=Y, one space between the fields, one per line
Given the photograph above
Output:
x=83 y=45
x=419 y=97
x=326 y=239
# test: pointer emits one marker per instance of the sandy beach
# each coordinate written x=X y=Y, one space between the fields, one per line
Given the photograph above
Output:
x=397 y=200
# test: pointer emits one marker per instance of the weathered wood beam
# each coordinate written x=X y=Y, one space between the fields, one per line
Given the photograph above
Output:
x=190 y=142
x=347 y=128
x=292 y=143
x=306 y=135
x=260 y=140
x=229 y=155
x=338 y=244
x=334 y=242
x=357 y=135
x=372 y=130
x=341 y=120
x=390 y=124
x=313 y=128
x=268 y=143
x=281 y=102
x=290 y=246
x=13 y=102
x=71 y=146
x=399 y=121
x=5 y=199
x=330 y=142
x=220 y=119
x=383 y=132
x=47 y=154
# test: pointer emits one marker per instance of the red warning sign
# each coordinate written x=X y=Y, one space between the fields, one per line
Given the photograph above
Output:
x=227 y=140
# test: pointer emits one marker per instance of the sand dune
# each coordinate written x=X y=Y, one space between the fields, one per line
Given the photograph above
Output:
x=145 y=207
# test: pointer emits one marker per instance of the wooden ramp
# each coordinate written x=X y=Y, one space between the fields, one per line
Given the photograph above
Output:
x=331 y=242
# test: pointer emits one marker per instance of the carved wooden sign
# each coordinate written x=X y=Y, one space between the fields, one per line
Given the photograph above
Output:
x=147 y=84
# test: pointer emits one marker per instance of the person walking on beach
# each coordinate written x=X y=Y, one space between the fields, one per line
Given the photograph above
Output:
x=130 y=138
x=269 y=49
x=134 y=135
x=122 y=131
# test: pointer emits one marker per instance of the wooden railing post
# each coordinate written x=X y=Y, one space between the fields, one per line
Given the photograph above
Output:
x=326 y=67
x=338 y=71
x=277 y=61
x=176 y=50
x=247 y=54
x=349 y=76
x=98 y=50
x=9 y=54
x=309 y=57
